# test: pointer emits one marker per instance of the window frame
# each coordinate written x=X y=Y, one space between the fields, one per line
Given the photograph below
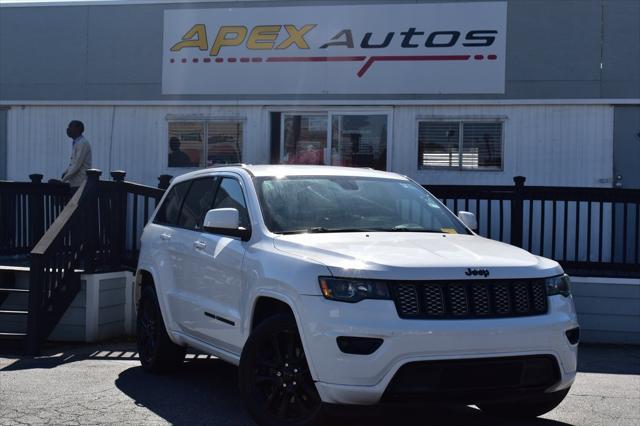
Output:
x=461 y=121
x=205 y=149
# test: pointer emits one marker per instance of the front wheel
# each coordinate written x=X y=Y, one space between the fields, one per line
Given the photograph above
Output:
x=527 y=408
x=274 y=376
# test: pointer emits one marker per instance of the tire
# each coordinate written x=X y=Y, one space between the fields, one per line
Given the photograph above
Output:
x=533 y=406
x=275 y=382
x=158 y=354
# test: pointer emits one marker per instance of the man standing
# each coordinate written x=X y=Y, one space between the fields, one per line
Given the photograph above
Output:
x=80 y=161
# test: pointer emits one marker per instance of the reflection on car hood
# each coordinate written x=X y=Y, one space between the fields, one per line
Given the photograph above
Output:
x=415 y=256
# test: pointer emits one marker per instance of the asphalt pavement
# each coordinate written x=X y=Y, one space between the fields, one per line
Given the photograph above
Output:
x=104 y=384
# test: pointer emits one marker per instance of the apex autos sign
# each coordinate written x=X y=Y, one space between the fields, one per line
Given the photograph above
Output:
x=381 y=49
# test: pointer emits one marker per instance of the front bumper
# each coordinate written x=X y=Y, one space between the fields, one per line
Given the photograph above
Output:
x=362 y=379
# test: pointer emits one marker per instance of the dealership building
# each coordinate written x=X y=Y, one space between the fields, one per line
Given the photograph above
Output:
x=445 y=92
x=461 y=93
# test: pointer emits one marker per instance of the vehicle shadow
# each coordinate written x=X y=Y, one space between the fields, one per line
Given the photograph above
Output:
x=205 y=392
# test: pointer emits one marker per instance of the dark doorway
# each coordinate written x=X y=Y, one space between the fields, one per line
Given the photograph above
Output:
x=626 y=146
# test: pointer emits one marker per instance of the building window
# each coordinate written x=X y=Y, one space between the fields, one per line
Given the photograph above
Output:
x=353 y=140
x=187 y=147
x=468 y=145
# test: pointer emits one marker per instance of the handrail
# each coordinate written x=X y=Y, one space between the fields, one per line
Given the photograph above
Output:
x=67 y=247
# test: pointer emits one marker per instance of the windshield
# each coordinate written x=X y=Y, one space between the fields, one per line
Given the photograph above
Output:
x=299 y=204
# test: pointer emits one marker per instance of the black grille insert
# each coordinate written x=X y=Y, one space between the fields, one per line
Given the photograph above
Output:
x=466 y=376
x=469 y=299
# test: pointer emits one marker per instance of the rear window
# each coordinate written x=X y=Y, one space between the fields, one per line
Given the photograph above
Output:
x=170 y=208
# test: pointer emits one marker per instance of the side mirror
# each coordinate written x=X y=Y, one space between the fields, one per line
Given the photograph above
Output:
x=225 y=222
x=469 y=219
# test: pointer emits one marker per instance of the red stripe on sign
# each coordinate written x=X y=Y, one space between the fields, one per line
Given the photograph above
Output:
x=256 y=59
x=206 y=60
x=244 y=60
x=316 y=59
x=219 y=60
x=195 y=60
x=232 y=60
x=492 y=57
x=373 y=59
x=478 y=57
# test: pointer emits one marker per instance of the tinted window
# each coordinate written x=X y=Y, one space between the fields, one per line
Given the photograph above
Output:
x=230 y=196
x=170 y=208
x=198 y=203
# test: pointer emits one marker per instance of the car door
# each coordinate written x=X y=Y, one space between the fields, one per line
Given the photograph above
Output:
x=221 y=283
x=187 y=299
x=168 y=256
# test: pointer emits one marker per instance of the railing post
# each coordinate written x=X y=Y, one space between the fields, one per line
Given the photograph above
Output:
x=36 y=210
x=119 y=226
x=89 y=202
x=517 y=209
x=36 y=276
x=164 y=181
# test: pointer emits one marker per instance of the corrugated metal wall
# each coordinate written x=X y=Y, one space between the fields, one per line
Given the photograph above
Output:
x=133 y=139
x=550 y=145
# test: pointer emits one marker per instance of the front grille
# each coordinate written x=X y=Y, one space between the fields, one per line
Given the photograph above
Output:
x=470 y=299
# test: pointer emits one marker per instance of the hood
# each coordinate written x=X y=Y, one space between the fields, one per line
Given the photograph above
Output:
x=416 y=256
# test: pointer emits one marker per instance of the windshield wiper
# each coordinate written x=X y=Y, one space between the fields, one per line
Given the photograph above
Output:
x=407 y=229
x=323 y=230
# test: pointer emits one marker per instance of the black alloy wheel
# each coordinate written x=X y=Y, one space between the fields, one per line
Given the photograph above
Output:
x=157 y=352
x=274 y=376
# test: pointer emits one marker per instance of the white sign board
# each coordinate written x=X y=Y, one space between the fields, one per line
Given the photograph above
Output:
x=380 y=49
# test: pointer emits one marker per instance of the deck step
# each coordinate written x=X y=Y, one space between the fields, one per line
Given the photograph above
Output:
x=12 y=335
x=14 y=290
x=7 y=312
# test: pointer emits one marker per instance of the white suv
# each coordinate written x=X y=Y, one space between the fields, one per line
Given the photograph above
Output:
x=330 y=285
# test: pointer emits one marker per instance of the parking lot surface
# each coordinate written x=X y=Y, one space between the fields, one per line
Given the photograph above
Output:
x=104 y=384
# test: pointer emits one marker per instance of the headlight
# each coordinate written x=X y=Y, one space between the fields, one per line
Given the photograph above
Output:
x=347 y=290
x=559 y=285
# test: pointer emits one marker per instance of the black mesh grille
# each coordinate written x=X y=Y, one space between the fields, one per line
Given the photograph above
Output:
x=470 y=299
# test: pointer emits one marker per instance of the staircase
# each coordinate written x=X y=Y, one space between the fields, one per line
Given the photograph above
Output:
x=49 y=237
x=14 y=305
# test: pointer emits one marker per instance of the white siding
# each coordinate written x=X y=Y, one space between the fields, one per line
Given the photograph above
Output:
x=555 y=145
x=127 y=138
x=559 y=145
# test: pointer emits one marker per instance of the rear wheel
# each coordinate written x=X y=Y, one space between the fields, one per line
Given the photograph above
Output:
x=531 y=407
x=157 y=352
x=275 y=381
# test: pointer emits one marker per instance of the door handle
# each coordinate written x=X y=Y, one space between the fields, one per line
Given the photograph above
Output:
x=165 y=237
x=199 y=245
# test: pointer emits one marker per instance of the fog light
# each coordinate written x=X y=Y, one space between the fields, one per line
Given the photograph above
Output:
x=358 y=345
x=573 y=335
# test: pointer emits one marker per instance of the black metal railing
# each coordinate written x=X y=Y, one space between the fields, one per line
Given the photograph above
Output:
x=588 y=230
x=124 y=208
x=27 y=209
